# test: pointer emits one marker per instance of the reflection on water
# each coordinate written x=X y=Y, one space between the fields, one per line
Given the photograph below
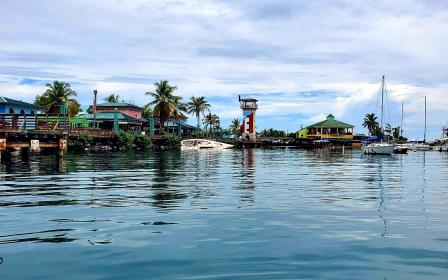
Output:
x=236 y=214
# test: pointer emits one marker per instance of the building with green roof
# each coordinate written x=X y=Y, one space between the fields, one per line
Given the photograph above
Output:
x=328 y=129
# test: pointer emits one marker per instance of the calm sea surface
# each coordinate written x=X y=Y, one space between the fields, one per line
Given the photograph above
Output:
x=253 y=214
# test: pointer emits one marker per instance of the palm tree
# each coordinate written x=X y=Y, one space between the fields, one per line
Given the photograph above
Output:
x=164 y=101
x=235 y=127
x=371 y=123
x=179 y=109
x=147 y=111
x=211 y=121
x=56 y=96
x=112 y=98
x=197 y=105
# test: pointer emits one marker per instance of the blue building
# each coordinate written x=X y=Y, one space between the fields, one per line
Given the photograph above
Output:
x=12 y=106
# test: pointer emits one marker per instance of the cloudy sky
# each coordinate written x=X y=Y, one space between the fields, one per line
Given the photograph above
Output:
x=301 y=59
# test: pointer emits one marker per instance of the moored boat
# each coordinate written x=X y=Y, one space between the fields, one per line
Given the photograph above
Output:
x=378 y=149
x=197 y=144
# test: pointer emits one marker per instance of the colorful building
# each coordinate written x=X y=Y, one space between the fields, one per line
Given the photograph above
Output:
x=329 y=129
x=122 y=107
x=249 y=107
x=12 y=106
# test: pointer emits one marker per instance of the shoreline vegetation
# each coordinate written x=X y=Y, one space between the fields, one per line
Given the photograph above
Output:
x=168 y=111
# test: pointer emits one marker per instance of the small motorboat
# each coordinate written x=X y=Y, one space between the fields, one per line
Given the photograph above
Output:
x=198 y=144
x=378 y=149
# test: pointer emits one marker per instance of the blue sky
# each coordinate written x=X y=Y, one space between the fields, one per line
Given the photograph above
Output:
x=301 y=59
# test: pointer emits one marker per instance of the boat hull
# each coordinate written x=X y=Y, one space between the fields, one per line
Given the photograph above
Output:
x=378 y=149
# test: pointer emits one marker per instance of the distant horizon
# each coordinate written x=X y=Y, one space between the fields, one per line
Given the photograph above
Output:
x=302 y=60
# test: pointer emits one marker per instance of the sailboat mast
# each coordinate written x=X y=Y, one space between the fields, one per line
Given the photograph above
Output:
x=424 y=135
x=401 y=124
x=382 y=105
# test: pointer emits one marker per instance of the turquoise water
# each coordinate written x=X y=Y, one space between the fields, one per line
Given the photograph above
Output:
x=253 y=214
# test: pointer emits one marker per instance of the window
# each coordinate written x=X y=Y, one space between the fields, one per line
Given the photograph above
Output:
x=11 y=110
x=32 y=112
x=22 y=112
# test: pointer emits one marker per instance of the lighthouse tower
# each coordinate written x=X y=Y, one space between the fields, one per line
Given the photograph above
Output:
x=249 y=107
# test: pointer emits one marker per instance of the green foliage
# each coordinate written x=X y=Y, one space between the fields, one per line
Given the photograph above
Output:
x=172 y=141
x=372 y=125
x=57 y=94
x=235 y=127
x=143 y=142
x=271 y=133
x=80 y=143
x=128 y=141
x=197 y=105
x=165 y=103
x=112 y=98
x=125 y=140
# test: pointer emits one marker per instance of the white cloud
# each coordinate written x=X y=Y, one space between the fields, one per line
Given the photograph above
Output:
x=302 y=59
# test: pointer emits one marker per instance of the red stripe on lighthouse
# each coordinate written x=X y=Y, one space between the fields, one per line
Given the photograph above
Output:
x=251 y=123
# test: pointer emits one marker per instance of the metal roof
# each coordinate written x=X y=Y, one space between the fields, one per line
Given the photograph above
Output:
x=6 y=100
x=118 y=105
x=331 y=122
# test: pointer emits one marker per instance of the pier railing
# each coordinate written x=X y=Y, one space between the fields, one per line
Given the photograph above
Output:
x=27 y=122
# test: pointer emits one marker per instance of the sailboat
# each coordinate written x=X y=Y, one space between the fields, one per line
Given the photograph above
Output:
x=379 y=148
x=422 y=146
x=401 y=149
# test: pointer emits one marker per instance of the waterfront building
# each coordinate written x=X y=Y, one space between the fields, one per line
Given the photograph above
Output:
x=249 y=107
x=107 y=120
x=128 y=109
x=12 y=106
x=328 y=129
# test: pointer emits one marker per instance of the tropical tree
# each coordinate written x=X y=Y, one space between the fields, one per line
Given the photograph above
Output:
x=271 y=133
x=164 y=101
x=196 y=106
x=180 y=109
x=57 y=95
x=235 y=127
x=112 y=98
x=211 y=121
x=371 y=123
x=147 y=111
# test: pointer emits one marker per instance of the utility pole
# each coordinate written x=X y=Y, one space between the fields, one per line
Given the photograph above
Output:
x=95 y=92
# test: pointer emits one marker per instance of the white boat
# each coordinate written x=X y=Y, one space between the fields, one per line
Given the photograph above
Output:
x=378 y=149
x=420 y=147
x=197 y=144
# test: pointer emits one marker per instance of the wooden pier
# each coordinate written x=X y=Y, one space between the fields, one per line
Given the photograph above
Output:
x=33 y=132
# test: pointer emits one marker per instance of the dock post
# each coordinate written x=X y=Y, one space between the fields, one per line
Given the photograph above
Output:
x=62 y=146
x=2 y=147
x=35 y=146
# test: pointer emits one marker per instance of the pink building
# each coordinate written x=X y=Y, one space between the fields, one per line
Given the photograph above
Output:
x=125 y=108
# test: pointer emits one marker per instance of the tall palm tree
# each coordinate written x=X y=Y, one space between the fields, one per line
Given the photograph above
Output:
x=112 y=98
x=164 y=101
x=58 y=94
x=235 y=127
x=371 y=123
x=211 y=121
x=197 y=105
